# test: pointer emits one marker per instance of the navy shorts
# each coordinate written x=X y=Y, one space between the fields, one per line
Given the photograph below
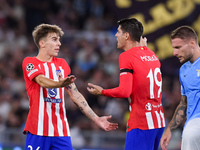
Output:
x=36 y=142
x=137 y=139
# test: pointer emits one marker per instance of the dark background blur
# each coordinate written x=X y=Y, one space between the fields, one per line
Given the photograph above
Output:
x=89 y=46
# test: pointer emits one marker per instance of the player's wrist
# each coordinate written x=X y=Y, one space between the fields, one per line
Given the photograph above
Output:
x=102 y=92
x=96 y=119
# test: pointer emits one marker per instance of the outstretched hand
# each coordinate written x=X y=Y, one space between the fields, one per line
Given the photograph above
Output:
x=94 y=89
x=105 y=124
x=66 y=81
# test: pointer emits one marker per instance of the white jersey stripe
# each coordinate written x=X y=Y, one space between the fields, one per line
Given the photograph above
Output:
x=59 y=122
x=163 y=118
x=57 y=107
x=50 y=124
x=41 y=113
x=55 y=77
x=48 y=105
x=149 y=120
x=63 y=106
x=158 y=118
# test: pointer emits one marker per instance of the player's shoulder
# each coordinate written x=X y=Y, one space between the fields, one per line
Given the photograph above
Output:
x=185 y=66
x=29 y=59
x=59 y=60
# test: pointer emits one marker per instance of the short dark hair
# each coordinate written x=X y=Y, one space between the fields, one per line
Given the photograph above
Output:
x=184 y=32
x=133 y=27
x=42 y=31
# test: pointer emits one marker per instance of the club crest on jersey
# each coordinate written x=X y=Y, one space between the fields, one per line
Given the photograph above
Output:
x=29 y=67
x=148 y=106
x=198 y=72
x=58 y=72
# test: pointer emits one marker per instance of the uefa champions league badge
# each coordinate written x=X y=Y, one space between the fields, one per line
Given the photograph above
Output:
x=58 y=72
x=29 y=67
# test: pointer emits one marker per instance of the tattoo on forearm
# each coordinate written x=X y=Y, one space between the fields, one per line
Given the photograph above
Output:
x=68 y=87
x=78 y=96
x=84 y=103
x=75 y=89
x=179 y=116
x=91 y=113
x=81 y=108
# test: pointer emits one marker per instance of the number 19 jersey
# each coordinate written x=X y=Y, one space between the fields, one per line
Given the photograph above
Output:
x=141 y=67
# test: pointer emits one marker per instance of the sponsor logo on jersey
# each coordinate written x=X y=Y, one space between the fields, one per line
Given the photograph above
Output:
x=149 y=58
x=148 y=106
x=30 y=73
x=57 y=100
x=29 y=67
x=52 y=92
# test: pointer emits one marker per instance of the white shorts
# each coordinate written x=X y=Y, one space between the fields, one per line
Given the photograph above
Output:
x=191 y=135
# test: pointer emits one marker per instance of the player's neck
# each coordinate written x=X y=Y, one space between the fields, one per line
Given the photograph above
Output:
x=196 y=55
x=131 y=44
x=44 y=57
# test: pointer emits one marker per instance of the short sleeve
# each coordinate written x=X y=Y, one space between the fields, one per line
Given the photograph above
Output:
x=66 y=68
x=31 y=68
x=125 y=63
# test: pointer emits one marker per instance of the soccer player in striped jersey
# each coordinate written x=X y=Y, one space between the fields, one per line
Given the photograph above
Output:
x=46 y=77
x=186 y=49
x=141 y=83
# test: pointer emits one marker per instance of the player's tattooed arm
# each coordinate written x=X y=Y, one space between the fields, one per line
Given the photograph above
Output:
x=86 y=110
x=80 y=101
x=180 y=114
x=73 y=91
x=82 y=104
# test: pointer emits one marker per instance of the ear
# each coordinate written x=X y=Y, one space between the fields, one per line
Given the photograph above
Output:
x=127 y=35
x=41 y=43
x=192 y=43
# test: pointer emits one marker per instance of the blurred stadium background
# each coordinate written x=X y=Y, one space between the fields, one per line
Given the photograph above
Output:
x=89 y=46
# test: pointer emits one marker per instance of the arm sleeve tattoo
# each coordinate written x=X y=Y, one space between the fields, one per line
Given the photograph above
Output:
x=180 y=114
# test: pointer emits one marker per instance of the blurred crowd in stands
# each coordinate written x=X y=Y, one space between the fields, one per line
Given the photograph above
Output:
x=89 y=47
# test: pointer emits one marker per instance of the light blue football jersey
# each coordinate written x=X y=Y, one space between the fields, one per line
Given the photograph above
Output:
x=190 y=87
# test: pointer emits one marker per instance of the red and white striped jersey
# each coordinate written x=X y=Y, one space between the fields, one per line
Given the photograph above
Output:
x=47 y=115
x=140 y=80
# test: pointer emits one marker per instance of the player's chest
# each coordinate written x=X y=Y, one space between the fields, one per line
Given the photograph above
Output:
x=191 y=76
x=51 y=70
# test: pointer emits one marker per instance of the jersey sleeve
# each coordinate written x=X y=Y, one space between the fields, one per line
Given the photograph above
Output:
x=31 y=68
x=182 y=87
x=124 y=89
